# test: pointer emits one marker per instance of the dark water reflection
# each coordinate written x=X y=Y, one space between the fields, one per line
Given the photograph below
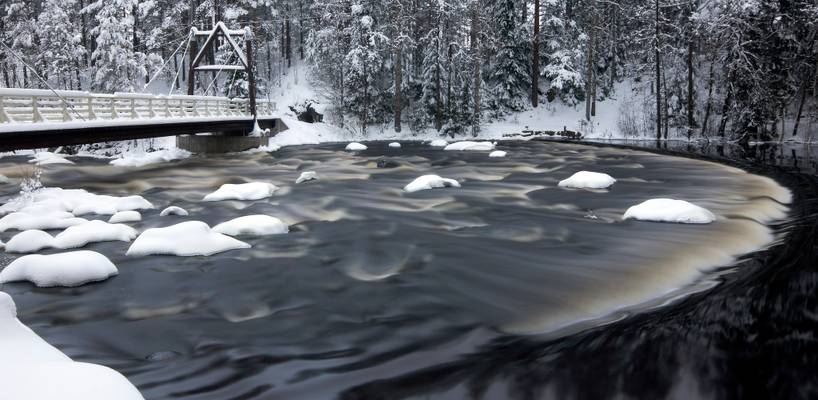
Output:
x=376 y=294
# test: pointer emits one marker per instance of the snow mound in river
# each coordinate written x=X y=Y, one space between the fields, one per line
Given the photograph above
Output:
x=29 y=241
x=62 y=269
x=438 y=143
x=148 y=158
x=355 y=146
x=497 y=153
x=306 y=176
x=75 y=201
x=34 y=370
x=588 y=180
x=243 y=191
x=191 y=238
x=394 y=145
x=470 y=146
x=257 y=225
x=74 y=236
x=93 y=231
x=125 y=216
x=669 y=210
x=426 y=182
x=22 y=221
x=174 y=210
x=47 y=157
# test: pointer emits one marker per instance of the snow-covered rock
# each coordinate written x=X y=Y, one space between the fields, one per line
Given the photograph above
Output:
x=243 y=191
x=125 y=216
x=355 y=146
x=669 y=210
x=394 y=145
x=256 y=225
x=75 y=201
x=497 y=153
x=426 y=182
x=91 y=232
x=191 y=238
x=29 y=241
x=174 y=210
x=62 y=269
x=307 y=176
x=588 y=180
x=23 y=221
x=4 y=179
x=32 y=369
x=470 y=146
x=438 y=143
x=147 y=158
x=47 y=157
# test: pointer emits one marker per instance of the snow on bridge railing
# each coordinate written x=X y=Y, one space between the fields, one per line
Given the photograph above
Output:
x=39 y=105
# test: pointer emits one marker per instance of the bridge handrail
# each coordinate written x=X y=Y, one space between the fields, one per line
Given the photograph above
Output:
x=41 y=105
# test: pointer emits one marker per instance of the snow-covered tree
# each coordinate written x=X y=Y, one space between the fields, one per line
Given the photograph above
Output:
x=117 y=65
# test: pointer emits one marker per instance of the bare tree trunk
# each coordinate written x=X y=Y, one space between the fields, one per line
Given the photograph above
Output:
x=589 y=73
x=6 y=74
x=690 y=101
x=288 y=43
x=475 y=51
x=665 y=112
x=708 y=107
x=658 y=75
x=535 y=60
x=801 y=102
x=398 y=106
x=726 y=107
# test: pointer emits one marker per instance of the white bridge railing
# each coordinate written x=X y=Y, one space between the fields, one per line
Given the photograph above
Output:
x=44 y=106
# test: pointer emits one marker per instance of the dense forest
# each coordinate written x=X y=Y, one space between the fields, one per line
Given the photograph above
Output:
x=739 y=69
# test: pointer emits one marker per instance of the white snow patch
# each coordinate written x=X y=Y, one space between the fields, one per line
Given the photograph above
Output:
x=669 y=210
x=307 y=176
x=93 y=231
x=497 y=153
x=257 y=225
x=426 y=182
x=34 y=370
x=173 y=210
x=588 y=180
x=153 y=157
x=4 y=179
x=62 y=269
x=470 y=146
x=300 y=133
x=23 y=221
x=29 y=241
x=75 y=201
x=125 y=216
x=47 y=157
x=394 y=145
x=438 y=143
x=191 y=238
x=355 y=146
x=243 y=191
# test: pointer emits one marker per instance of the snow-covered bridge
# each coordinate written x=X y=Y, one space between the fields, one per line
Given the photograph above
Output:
x=35 y=118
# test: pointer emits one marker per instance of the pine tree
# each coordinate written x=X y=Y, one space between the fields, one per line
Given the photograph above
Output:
x=509 y=79
x=116 y=63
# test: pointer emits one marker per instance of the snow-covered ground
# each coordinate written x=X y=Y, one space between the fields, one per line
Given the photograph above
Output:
x=34 y=370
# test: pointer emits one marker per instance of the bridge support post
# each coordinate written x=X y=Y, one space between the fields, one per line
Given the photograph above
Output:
x=194 y=49
x=251 y=76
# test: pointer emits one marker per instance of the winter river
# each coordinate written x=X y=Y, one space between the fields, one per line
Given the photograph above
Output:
x=380 y=293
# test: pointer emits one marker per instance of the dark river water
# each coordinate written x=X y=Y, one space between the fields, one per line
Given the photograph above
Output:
x=508 y=287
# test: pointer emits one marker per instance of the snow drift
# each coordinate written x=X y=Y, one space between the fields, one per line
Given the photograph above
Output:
x=242 y=191
x=669 y=210
x=62 y=269
x=588 y=180
x=426 y=182
x=191 y=238
x=256 y=225
x=34 y=370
